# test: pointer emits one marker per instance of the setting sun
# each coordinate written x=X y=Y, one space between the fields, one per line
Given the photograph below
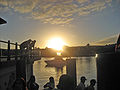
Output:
x=56 y=43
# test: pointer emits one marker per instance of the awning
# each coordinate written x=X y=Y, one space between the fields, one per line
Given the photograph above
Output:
x=2 y=21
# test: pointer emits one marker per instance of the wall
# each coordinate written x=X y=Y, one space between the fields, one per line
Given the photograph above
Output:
x=8 y=73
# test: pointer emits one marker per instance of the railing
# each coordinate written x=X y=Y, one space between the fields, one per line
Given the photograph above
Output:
x=8 y=54
x=16 y=53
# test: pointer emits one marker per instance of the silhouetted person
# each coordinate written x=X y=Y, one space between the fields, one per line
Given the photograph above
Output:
x=92 y=84
x=81 y=85
x=32 y=85
x=50 y=85
x=19 y=84
x=32 y=45
x=66 y=83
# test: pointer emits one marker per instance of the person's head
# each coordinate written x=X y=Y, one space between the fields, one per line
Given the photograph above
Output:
x=65 y=83
x=34 y=40
x=19 y=84
x=29 y=40
x=83 y=79
x=51 y=79
x=92 y=82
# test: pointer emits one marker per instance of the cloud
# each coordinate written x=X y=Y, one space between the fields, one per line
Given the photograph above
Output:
x=21 y=6
x=55 y=11
x=108 y=40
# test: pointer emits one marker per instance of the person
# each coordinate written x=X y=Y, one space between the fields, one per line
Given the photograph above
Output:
x=50 y=85
x=92 y=84
x=19 y=84
x=32 y=85
x=66 y=82
x=32 y=45
x=25 y=44
x=81 y=85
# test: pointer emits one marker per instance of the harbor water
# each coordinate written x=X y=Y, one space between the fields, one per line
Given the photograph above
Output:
x=85 y=66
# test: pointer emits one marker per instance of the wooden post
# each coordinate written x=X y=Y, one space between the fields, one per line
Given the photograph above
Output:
x=8 y=58
x=0 y=52
x=16 y=51
x=71 y=69
x=21 y=65
x=17 y=62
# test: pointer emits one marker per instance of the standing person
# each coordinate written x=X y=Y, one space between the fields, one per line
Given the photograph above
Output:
x=50 y=85
x=92 y=84
x=32 y=45
x=32 y=85
x=81 y=85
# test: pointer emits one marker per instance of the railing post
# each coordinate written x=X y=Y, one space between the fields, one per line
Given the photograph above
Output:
x=8 y=50
x=16 y=51
x=0 y=52
x=21 y=66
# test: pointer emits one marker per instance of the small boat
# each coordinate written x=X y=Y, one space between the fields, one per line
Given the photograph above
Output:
x=56 y=62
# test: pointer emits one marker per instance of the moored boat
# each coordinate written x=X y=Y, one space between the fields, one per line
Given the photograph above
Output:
x=56 y=62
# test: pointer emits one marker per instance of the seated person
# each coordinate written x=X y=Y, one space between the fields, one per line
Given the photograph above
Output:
x=51 y=84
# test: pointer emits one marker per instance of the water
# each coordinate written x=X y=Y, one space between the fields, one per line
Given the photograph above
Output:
x=86 y=66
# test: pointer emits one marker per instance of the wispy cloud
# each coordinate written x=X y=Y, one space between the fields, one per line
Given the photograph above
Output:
x=108 y=40
x=55 y=11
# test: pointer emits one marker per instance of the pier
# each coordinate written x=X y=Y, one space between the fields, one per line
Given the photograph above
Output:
x=14 y=63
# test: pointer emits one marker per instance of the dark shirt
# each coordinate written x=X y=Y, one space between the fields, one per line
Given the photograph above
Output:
x=90 y=88
x=34 y=86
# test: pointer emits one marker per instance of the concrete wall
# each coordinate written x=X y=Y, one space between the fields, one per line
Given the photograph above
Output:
x=29 y=70
x=8 y=74
x=71 y=69
x=5 y=75
x=108 y=73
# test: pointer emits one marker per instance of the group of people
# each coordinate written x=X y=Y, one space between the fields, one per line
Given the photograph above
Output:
x=20 y=84
x=81 y=85
x=67 y=83
x=27 y=45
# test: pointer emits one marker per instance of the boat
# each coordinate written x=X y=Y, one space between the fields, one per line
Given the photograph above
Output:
x=56 y=62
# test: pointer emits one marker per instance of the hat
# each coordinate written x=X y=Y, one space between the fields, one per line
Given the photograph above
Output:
x=83 y=78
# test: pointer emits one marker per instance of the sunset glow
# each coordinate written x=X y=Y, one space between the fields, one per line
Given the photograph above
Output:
x=56 y=43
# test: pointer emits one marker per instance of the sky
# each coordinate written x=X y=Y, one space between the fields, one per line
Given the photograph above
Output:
x=77 y=22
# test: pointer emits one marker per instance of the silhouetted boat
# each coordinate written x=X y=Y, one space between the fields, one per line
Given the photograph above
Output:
x=56 y=62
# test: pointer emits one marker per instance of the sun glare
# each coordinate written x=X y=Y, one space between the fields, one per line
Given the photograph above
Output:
x=56 y=43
